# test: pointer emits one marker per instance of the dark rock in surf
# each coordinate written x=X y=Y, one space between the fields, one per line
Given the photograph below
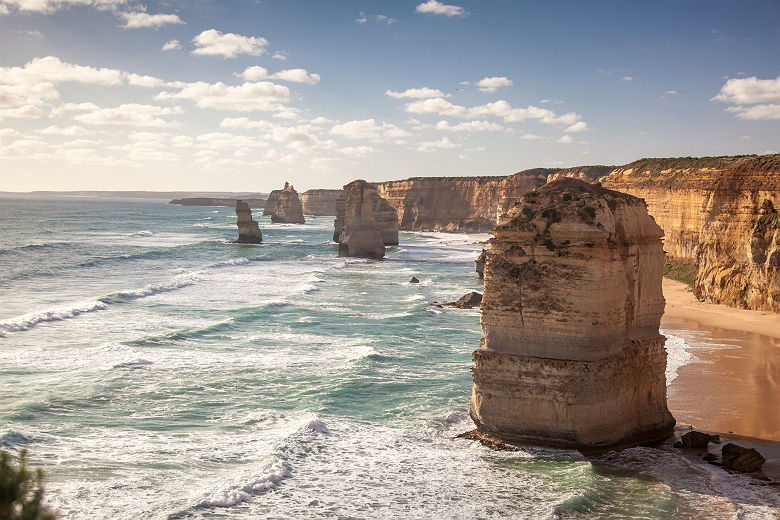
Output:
x=743 y=460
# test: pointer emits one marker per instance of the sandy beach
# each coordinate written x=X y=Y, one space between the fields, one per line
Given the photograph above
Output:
x=732 y=384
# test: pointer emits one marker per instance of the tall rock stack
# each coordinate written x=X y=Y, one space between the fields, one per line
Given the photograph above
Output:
x=270 y=202
x=384 y=214
x=288 y=209
x=572 y=355
x=357 y=229
x=248 y=229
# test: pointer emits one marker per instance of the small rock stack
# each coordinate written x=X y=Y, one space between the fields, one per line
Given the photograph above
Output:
x=248 y=229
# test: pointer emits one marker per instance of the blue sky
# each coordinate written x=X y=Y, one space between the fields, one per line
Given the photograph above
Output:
x=207 y=95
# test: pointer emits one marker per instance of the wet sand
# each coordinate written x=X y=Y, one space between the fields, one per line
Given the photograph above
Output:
x=732 y=384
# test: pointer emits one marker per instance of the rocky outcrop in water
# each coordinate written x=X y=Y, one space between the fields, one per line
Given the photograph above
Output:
x=468 y=301
x=743 y=460
x=699 y=440
x=320 y=202
x=383 y=213
x=359 y=233
x=270 y=203
x=248 y=229
x=288 y=209
x=572 y=355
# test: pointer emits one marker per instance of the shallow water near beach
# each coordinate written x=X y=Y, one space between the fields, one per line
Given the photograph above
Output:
x=153 y=369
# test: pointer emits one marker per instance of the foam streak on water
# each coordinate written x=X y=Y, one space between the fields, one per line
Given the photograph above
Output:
x=156 y=370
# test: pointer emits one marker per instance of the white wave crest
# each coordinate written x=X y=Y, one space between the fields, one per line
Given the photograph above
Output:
x=256 y=485
x=677 y=355
x=29 y=320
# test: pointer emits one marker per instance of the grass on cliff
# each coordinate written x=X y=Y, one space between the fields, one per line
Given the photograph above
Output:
x=680 y=271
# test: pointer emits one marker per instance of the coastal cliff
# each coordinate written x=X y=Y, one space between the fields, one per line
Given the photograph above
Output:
x=248 y=229
x=359 y=233
x=382 y=212
x=720 y=216
x=210 y=201
x=320 y=202
x=288 y=208
x=572 y=355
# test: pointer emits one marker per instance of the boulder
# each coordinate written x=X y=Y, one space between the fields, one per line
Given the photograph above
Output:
x=469 y=301
x=288 y=209
x=572 y=355
x=248 y=229
x=698 y=440
x=414 y=280
x=743 y=460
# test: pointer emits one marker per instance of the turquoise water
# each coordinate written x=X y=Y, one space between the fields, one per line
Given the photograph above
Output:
x=156 y=370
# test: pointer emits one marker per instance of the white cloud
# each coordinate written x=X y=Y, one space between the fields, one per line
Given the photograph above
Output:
x=429 y=146
x=257 y=72
x=470 y=126
x=68 y=130
x=247 y=97
x=279 y=55
x=744 y=137
x=566 y=139
x=355 y=151
x=50 y=6
x=748 y=91
x=416 y=93
x=52 y=69
x=435 y=7
x=222 y=140
x=245 y=123
x=627 y=78
x=492 y=84
x=171 y=45
x=362 y=18
x=368 y=129
x=670 y=92
x=131 y=114
x=763 y=111
x=579 y=126
x=144 y=81
x=214 y=43
x=297 y=76
x=385 y=19
x=501 y=109
x=140 y=19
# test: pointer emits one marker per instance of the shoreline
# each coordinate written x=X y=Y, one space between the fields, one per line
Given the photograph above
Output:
x=730 y=385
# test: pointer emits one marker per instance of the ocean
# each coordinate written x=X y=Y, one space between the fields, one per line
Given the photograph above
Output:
x=154 y=369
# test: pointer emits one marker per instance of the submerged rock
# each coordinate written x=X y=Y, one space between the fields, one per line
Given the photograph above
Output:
x=358 y=231
x=743 y=460
x=696 y=439
x=414 y=280
x=479 y=265
x=469 y=301
x=572 y=355
x=288 y=209
x=248 y=229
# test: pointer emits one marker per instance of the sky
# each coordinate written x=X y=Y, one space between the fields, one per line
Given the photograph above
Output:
x=244 y=95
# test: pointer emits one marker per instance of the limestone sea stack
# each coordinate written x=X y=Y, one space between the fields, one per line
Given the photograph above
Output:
x=320 y=202
x=384 y=214
x=288 y=209
x=359 y=233
x=270 y=202
x=248 y=229
x=572 y=355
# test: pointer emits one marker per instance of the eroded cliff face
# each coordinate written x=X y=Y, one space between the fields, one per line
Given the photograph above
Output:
x=571 y=354
x=359 y=233
x=459 y=204
x=320 y=202
x=383 y=213
x=718 y=214
x=248 y=229
x=288 y=209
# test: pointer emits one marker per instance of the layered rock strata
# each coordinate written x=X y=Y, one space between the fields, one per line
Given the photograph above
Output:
x=288 y=209
x=572 y=355
x=248 y=229
x=383 y=213
x=320 y=202
x=359 y=232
